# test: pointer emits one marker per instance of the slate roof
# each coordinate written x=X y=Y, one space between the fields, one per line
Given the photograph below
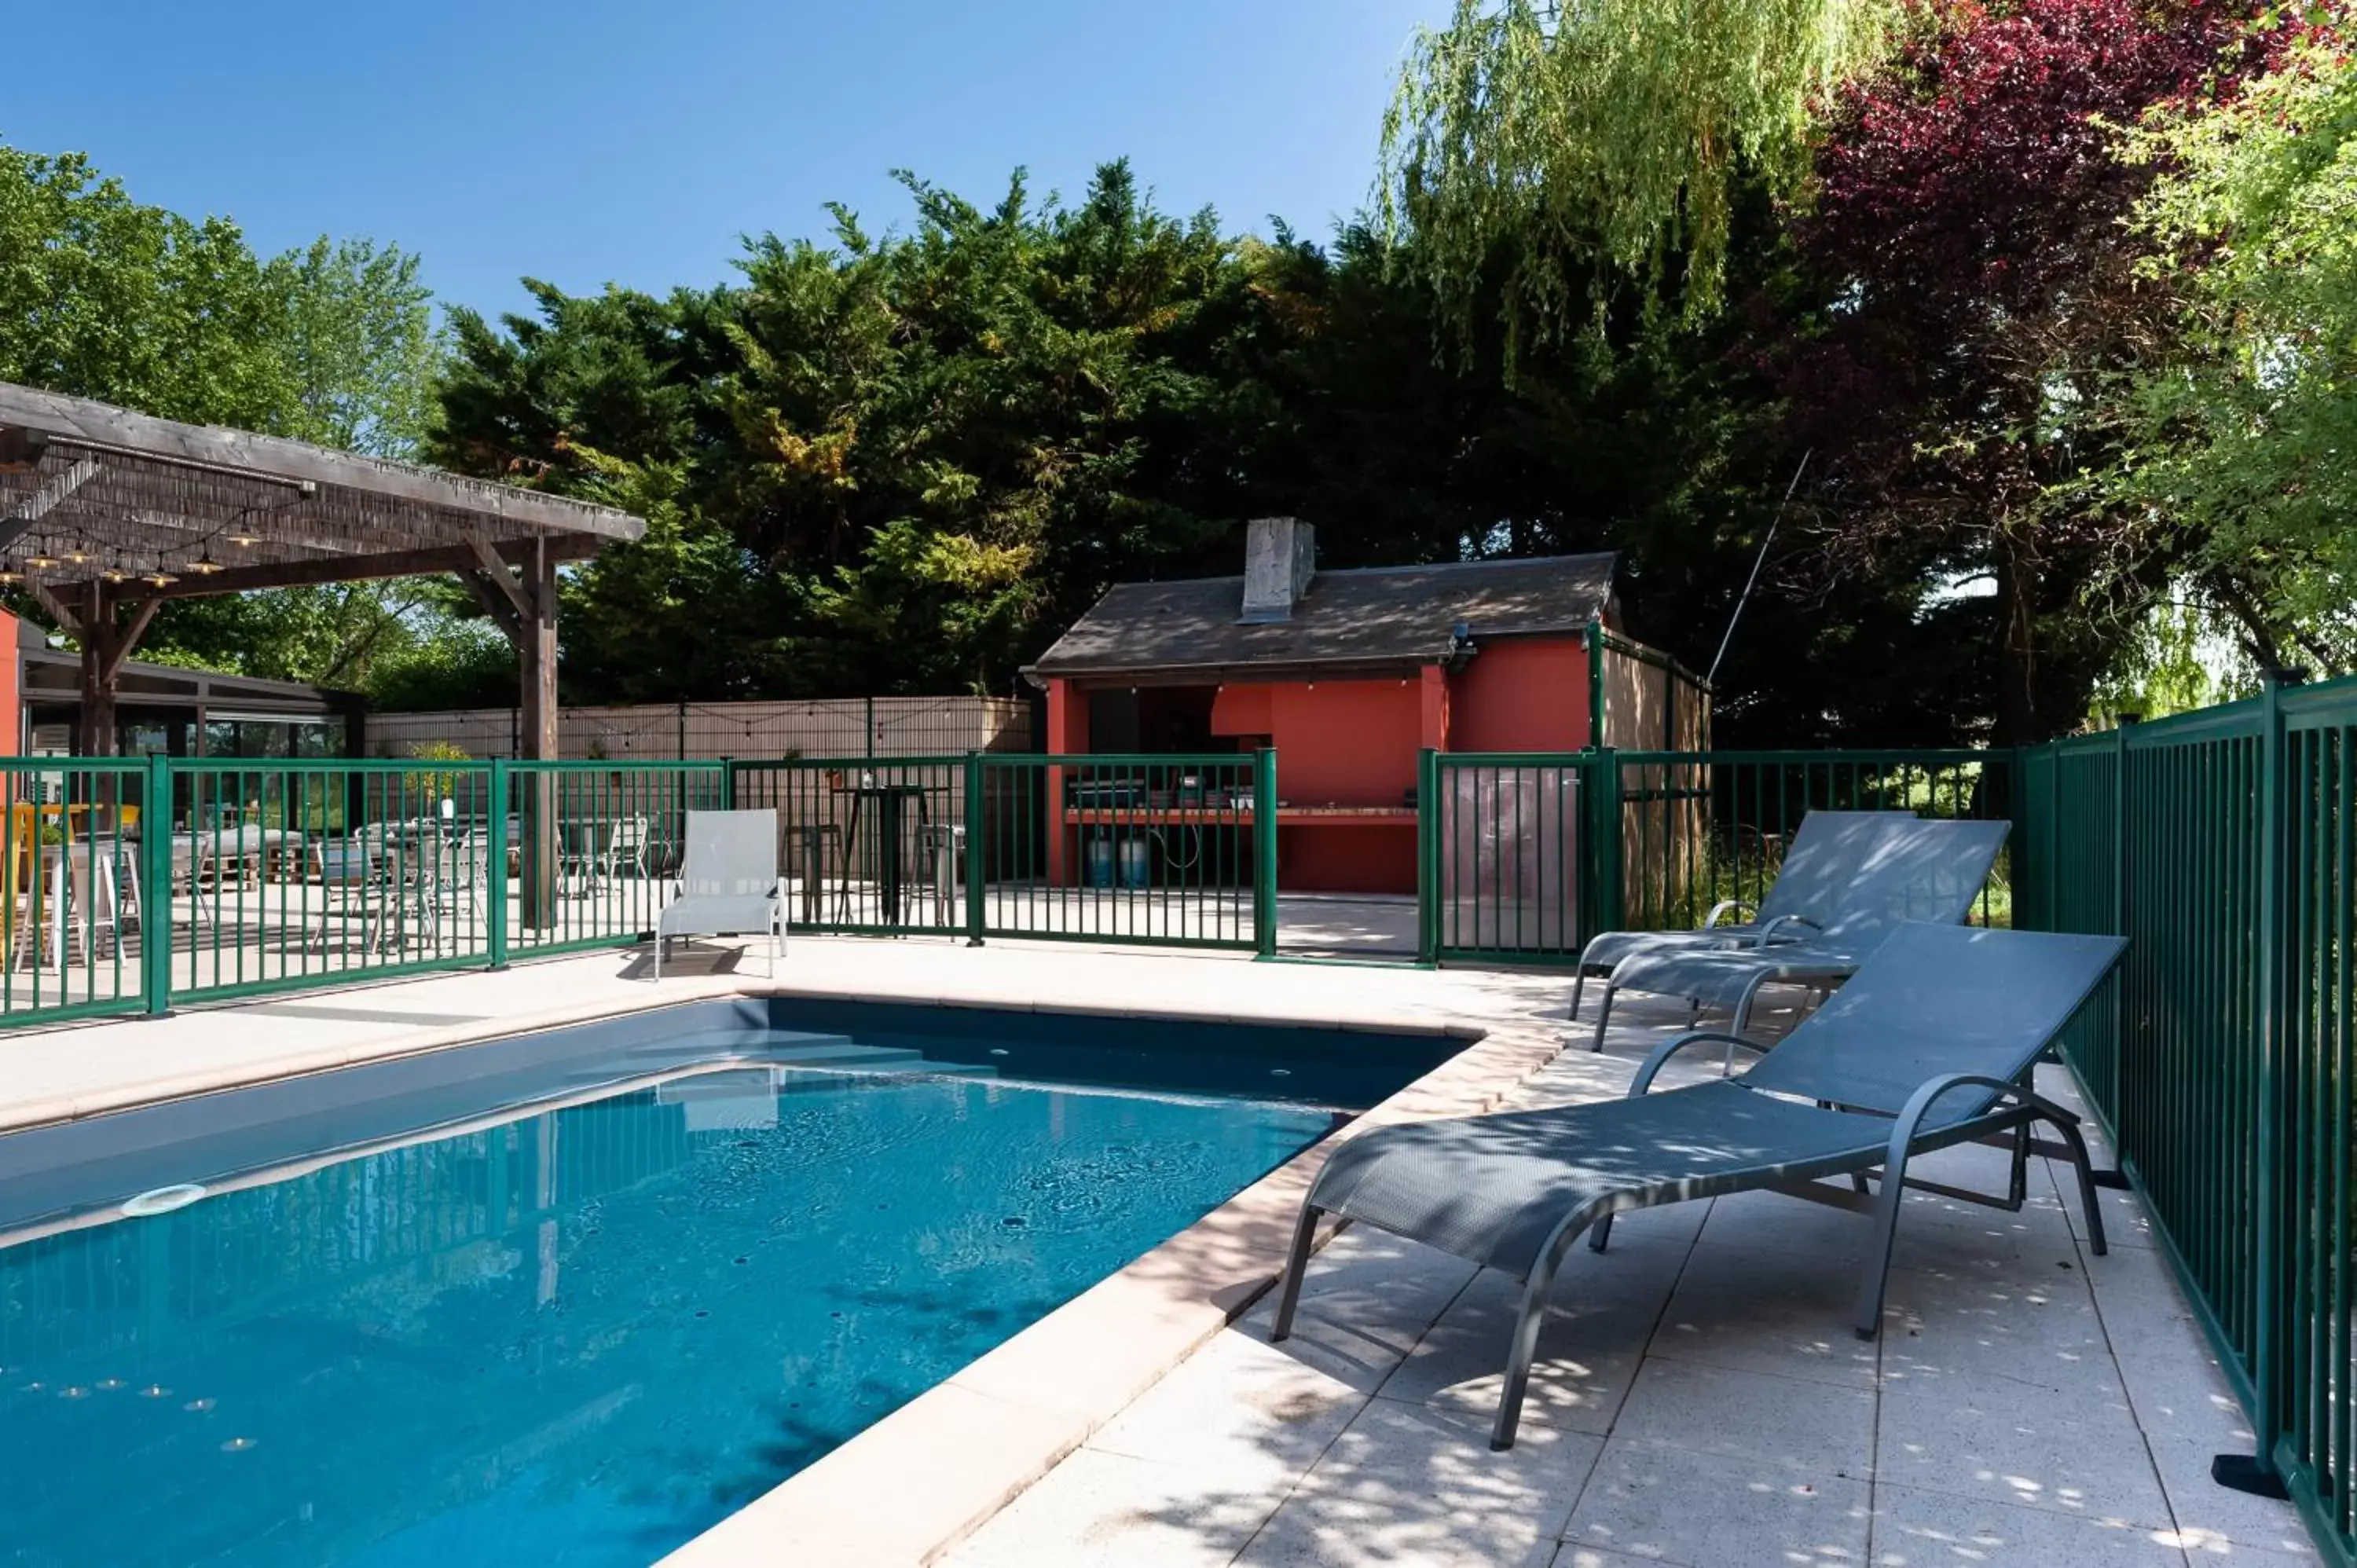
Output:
x=1374 y=617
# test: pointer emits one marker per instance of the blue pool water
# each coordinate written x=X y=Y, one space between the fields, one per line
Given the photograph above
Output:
x=578 y=1336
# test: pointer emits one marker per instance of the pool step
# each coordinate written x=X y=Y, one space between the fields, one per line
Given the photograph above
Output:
x=850 y=1056
x=840 y=1052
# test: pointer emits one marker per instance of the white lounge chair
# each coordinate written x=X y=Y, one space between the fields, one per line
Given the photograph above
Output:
x=728 y=883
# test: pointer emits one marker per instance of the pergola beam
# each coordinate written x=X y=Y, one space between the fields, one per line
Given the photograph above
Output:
x=500 y=606
x=351 y=569
x=125 y=638
x=495 y=574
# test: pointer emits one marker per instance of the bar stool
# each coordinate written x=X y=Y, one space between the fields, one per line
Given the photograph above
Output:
x=806 y=844
x=945 y=848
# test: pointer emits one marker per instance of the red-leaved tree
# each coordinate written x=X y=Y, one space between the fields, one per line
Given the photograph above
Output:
x=1979 y=286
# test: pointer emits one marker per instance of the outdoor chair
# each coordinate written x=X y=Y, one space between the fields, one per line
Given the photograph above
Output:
x=1818 y=872
x=626 y=850
x=728 y=883
x=1931 y=1044
x=944 y=858
x=96 y=911
x=353 y=885
x=1911 y=870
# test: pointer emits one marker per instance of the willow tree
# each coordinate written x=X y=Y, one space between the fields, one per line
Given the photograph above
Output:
x=1544 y=136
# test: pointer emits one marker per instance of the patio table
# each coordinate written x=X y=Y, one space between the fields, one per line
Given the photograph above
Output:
x=887 y=803
x=248 y=845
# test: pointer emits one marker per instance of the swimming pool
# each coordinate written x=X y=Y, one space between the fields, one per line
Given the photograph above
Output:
x=575 y=1296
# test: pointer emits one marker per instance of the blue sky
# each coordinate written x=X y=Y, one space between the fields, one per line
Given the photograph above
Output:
x=592 y=140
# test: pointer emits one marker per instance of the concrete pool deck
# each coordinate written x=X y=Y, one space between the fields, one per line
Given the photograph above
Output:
x=1699 y=1401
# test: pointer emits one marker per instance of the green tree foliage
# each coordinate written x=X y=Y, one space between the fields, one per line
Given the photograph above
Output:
x=1547 y=138
x=104 y=297
x=905 y=464
x=2249 y=435
x=1981 y=291
x=895 y=464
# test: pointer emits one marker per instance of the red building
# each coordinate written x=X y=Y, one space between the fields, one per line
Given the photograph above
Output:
x=1347 y=674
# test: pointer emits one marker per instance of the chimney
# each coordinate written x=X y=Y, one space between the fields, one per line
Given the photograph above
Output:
x=1280 y=552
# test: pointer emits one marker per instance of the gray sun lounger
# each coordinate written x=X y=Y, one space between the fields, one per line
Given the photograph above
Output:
x=1912 y=870
x=1930 y=1045
x=728 y=883
x=1818 y=868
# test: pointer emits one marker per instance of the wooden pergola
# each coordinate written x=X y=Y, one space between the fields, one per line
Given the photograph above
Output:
x=107 y=515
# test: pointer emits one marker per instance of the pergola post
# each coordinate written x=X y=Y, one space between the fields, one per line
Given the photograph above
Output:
x=536 y=651
x=106 y=643
x=97 y=680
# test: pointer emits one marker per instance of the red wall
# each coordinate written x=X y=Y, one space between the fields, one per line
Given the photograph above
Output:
x=1354 y=743
x=1523 y=694
x=12 y=706
x=1339 y=743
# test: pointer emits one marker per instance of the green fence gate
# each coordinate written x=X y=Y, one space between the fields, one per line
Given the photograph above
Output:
x=1525 y=856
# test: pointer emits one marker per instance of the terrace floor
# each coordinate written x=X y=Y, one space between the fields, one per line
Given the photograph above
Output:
x=1700 y=1398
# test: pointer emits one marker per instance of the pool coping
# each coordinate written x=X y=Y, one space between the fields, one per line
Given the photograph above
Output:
x=973 y=1441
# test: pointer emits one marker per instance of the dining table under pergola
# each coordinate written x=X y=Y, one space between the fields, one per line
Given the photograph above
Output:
x=107 y=515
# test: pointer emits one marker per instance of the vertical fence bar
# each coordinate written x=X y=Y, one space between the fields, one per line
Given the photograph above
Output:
x=156 y=885
x=2266 y=1369
x=978 y=826
x=495 y=866
x=1264 y=853
x=1427 y=856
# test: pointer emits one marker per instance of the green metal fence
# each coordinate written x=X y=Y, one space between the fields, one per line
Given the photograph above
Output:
x=2223 y=845
x=1149 y=850
x=869 y=845
x=280 y=874
x=72 y=878
x=590 y=846
x=1144 y=850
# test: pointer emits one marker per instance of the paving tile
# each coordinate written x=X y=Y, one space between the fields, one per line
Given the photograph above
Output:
x=1097 y=1507
x=1669 y=1224
x=1769 y=1221
x=1367 y=1301
x=2216 y=1521
x=1703 y=1510
x=1574 y=1555
x=1411 y=1484
x=1246 y=1410
x=1757 y=1310
x=1916 y=1529
x=1993 y=1324
x=2136 y=1293
x=2021 y=1444
x=1602 y=1312
x=1811 y=1427
x=2179 y=1395
x=2127 y=1224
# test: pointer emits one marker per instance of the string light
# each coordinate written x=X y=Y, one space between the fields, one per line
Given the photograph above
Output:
x=40 y=560
x=9 y=574
x=205 y=566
